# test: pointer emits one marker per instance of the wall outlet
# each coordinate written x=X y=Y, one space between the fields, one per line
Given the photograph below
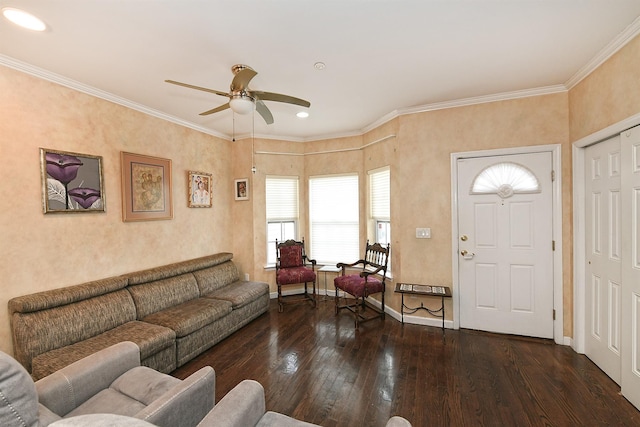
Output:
x=423 y=233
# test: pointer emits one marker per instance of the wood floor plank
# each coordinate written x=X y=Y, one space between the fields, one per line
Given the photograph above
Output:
x=315 y=367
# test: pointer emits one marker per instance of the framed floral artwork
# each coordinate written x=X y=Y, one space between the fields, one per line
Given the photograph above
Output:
x=146 y=188
x=199 y=189
x=241 y=189
x=71 y=182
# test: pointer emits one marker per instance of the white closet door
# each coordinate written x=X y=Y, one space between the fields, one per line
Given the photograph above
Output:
x=603 y=252
x=630 y=345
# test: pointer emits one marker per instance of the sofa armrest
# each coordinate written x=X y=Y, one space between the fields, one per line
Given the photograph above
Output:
x=243 y=406
x=398 y=422
x=66 y=389
x=185 y=404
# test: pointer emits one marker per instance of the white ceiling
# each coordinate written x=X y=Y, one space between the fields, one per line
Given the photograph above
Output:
x=383 y=57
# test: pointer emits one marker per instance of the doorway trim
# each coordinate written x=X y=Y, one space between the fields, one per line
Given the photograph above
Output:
x=556 y=188
x=579 y=244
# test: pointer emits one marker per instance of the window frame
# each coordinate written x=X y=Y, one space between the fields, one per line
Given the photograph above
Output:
x=294 y=217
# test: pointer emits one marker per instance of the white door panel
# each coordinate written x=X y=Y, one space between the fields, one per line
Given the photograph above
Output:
x=506 y=259
x=603 y=249
x=629 y=292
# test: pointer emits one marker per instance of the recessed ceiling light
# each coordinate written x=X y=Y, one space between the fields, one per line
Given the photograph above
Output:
x=302 y=114
x=319 y=65
x=23 y=19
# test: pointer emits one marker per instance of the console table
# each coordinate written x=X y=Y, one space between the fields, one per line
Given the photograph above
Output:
x=423 y=290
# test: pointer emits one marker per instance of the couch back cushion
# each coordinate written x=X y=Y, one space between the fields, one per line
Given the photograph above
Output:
x=155 y=296
x=37 y=332
x=213 y=278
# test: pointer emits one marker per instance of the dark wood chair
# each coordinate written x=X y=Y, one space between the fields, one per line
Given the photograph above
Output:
x=294 y=268
x=371 y=280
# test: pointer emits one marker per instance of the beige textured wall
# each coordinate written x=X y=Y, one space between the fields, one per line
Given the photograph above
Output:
x=608 y=95
x=40 y=252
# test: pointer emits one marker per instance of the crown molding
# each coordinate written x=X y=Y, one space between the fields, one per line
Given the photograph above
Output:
x=90 y=90
x=607 y=52
x=614 y=46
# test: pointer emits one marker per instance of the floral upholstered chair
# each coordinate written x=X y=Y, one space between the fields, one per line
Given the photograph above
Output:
x=294 y=268
x=370 y=280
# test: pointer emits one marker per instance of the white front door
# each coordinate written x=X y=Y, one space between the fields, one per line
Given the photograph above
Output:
x=505 y=244
x=630 y=295
x=603 y=253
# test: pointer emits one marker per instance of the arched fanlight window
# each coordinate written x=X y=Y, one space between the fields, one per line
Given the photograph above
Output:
x=505 y=179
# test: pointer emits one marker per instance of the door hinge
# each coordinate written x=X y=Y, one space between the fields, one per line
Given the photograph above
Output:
x=554 y=314
x=553 y=175
x=553 y=245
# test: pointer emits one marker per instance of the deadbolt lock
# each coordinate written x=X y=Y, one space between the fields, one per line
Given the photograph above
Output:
x=464 y=237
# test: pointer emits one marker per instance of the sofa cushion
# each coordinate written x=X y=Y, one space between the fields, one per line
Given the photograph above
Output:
x=240 y=293
x=149 y=337
x=159 y=295
x=178 y=268
x=213 y=278
x=273 y=419
x=18 y=398
x=33 y=334
x=190 y=316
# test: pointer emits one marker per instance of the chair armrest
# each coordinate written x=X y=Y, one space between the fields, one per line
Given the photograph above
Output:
x=185 y=404
x=243 y=406
x=71 y=386
x=344 y=265
x=366 y=273
x=398 y=422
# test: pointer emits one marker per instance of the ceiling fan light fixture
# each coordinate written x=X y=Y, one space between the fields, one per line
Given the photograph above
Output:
x=242 y=104
x=24 y=19
x=302 y=115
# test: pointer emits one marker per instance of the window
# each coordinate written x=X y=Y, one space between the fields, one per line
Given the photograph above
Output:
x=379 y=199
x=282 y=211
x=505 y=179
x=334 y=218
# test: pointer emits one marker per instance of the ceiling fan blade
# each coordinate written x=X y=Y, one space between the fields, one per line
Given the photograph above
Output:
x=270 y=96
x=262 y=109
x=241 y=80
x=217 y=92
x=215 y=110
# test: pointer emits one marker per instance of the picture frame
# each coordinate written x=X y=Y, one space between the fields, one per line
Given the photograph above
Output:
x=200 y=185
x=146 y=188
x=241 y=189
x=71 y=182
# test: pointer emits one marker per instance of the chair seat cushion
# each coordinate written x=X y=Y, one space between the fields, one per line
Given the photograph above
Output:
x=355 y=285
x=288 y=276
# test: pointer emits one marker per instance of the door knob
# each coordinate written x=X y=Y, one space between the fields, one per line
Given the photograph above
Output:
x=463 y=252
x=467 y=255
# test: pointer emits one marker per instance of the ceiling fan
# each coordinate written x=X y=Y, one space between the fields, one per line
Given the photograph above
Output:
x=243 y=100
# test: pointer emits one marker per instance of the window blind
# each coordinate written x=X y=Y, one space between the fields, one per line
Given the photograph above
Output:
x=334 y=218
x=282 y=197
x=380 y=192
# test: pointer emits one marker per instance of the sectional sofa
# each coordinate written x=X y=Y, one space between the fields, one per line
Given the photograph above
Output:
x=172 y=312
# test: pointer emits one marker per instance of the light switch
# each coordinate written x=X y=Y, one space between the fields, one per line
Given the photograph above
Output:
x=423 y=233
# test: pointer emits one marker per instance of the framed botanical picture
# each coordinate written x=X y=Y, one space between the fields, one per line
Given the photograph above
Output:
x=199 y=189
x=71 y=182
x=241 y=189
x=146 y=188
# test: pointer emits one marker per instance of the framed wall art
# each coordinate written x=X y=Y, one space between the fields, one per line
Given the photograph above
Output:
x=146 y=188
x=199 y=189
x=241 y=189
x=71 y=182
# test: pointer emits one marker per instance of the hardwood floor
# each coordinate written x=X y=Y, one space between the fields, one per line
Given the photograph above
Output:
x=316 y=368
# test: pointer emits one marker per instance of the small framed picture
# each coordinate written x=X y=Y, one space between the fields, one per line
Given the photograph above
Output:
x=146 y=188
x=71 y=182
x=241 y=189
x=199 y=189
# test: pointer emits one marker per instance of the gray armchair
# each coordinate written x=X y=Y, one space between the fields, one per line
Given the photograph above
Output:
x=244 y=406
x=110 y=381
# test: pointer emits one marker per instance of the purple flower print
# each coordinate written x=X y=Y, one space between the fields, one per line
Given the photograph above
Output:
x=63 y=167
x=85 y=197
